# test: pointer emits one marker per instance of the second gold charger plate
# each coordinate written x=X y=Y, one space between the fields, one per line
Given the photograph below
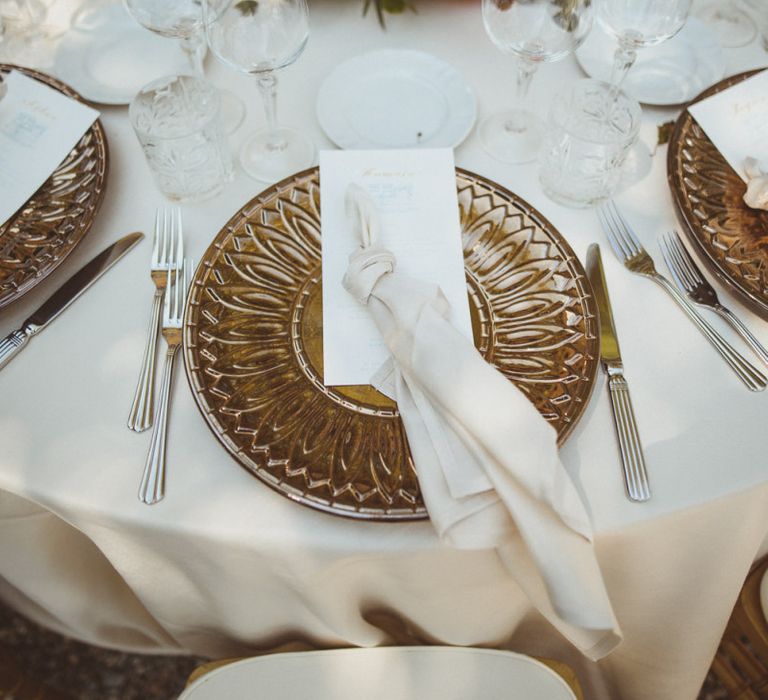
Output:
x=45 y=230
x=253 y=344
x=732 y=238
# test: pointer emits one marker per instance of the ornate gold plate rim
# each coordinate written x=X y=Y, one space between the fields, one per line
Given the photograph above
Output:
x=691 y=224
x=193 y=368
x=83 y=226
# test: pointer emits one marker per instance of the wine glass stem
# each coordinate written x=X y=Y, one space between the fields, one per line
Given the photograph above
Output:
x=194 y=47
x=31 y=11
x=267 y=83
x=623 y=60
x=525 y=72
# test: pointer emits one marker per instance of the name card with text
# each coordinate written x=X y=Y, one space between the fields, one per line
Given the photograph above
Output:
x=39 y=126
x=415 y=191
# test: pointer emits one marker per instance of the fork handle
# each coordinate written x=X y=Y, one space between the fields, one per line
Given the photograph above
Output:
x=140 y=417
x=752 y=378
x=152 y=487
x=738 y=325
x=630 y=448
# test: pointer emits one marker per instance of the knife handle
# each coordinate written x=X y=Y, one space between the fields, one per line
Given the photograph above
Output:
x=632 y=459
x=12 y=344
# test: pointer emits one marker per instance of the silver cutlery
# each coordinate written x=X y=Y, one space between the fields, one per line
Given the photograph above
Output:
x=152 y=487
x=691 y=281
x=167 y=255
x=13 y=343
x=630 y=447
x=636 y=259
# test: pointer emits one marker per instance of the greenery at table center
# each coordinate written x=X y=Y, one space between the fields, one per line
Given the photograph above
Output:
x=396 y=7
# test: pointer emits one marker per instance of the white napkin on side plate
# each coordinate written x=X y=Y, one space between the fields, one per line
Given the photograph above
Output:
x=487 y=461
x=756 y=195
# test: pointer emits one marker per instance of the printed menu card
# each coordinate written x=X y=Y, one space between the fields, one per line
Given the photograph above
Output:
x=736 y=121
x=39 y=126
x=415 y=191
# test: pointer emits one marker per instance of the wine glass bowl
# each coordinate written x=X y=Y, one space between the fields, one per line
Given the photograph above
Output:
x=644 y=23
x=731 y=24
x=179 y=19
x=266 y=38
x=535 y=32
x=260 y=38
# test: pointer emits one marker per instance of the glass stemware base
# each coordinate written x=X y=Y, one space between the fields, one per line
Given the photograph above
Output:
x=512 y=137
x=269 y=156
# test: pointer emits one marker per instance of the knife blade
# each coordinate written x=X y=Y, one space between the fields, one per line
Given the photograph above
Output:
x=13 y=343
x=630 y=447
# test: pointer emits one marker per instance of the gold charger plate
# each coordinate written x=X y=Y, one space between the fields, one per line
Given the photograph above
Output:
x=732 y=239
x=45 y=230
x=253 y=344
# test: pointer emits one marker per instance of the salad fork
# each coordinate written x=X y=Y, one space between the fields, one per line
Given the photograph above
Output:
x=167 y=254
x=152 y=487
x=636 y=259
x=690 y=280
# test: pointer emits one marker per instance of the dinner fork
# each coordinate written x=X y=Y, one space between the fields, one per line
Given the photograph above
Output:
x=636 y=259
x=167 y=254
x=152 y=487
x=690 y=280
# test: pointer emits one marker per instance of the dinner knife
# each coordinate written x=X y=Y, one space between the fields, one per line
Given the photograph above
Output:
x=630 y=448
x=13 y=343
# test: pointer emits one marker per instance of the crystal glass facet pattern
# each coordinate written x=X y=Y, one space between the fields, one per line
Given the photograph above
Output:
x=589 y=134
x=177 y=123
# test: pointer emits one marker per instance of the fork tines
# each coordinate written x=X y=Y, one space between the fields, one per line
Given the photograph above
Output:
x=620 y=235
x=680 y=263
x=168 y=245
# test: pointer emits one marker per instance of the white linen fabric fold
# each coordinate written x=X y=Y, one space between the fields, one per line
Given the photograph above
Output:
x=756 y=195
x=487 y=461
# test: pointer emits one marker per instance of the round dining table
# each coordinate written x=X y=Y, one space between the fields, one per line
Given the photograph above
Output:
x=224 y=566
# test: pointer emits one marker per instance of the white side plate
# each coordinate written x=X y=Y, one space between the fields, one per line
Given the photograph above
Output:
x=107 y=56
x=670 y=73
x=396 y=99
x=384 y=673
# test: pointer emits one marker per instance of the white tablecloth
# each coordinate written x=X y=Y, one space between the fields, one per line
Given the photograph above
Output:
x=225 y=566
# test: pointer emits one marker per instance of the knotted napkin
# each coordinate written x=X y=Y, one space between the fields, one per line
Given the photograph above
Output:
x=756 y=195
x=486 y=460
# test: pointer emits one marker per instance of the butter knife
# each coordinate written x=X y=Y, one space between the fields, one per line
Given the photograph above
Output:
x=13 y=343
x=630 y=448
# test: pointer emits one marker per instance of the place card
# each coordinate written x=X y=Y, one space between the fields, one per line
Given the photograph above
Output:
x=39 y=126
x=736 y=121
x=416 y=194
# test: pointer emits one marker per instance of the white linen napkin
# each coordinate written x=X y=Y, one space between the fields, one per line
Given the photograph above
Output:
x=487 y=461
x=756 y=195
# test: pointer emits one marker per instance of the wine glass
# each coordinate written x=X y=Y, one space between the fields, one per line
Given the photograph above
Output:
x=637 y=24
x=261 y=37
x=183 y=20
x=535 y=31
x=731 y=24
